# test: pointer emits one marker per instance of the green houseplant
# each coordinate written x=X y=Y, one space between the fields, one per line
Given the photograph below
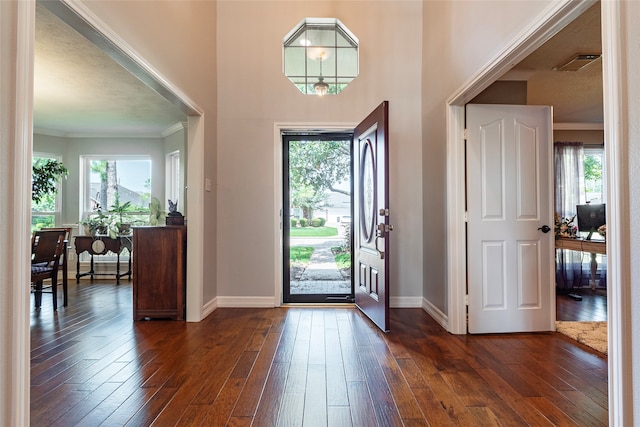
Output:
x=100 y=223
x=92 y=224
x=118 y=212
x=115 y=222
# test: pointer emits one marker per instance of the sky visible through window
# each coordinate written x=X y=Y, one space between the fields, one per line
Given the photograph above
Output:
x=132 y=174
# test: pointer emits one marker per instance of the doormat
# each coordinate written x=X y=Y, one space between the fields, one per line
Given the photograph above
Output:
x=591 y=334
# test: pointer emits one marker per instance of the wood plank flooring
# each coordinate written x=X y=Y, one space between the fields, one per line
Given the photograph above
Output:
x=592 y=307
x=92 y=365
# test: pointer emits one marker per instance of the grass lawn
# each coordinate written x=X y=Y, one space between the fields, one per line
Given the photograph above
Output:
x=343 y=259
x=314 y=232
x=300 y=254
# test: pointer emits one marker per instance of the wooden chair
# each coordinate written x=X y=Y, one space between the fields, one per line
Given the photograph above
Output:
x=47 y=248
x=65 y=252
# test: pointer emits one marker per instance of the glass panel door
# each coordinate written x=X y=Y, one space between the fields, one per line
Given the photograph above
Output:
x=317 y=189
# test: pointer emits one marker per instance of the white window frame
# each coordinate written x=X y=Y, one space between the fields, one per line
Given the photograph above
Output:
x=85 y=196
x=172 y=174
x=85 y=172
x=598 y=150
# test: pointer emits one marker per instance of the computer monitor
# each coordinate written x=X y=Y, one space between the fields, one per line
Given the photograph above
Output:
x=591 y=217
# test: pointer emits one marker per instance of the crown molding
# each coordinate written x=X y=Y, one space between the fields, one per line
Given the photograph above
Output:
x=98 y=134
x=174 y=128
x=578 y=126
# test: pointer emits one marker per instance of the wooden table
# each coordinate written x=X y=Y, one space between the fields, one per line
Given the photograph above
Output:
x=592 y=246
x=116 y=246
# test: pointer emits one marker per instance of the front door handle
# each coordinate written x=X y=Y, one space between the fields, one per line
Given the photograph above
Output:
x=545 y=228
x=380 y=253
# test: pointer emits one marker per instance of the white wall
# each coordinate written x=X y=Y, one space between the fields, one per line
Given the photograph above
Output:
x=588 y=137
x=253 y=94
x=178 y=38
x=460 y=38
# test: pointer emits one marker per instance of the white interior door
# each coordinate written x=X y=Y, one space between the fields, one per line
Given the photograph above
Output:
x=509 y=202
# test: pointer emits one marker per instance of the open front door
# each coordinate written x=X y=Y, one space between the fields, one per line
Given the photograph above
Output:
x=371 y=216
x=509 y=203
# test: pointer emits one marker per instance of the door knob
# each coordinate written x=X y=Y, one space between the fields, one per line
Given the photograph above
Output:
x=545 y=228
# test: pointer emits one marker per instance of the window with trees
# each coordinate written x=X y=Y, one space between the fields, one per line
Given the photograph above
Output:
x=594 y=177
x=318 y=168
x=109 y=181
x=46 y=212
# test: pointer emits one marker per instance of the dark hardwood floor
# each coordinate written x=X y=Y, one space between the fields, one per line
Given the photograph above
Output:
x=592 y=307
x=92 y=365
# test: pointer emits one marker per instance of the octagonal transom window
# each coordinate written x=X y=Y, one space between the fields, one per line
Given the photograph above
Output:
x=320 y=56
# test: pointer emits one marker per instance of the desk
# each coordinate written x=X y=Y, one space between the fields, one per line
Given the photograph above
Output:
x=116 y=246
x=592 y=246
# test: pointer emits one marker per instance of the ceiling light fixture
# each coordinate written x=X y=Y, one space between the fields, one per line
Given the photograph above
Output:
x=577 y=62
x=321 y=88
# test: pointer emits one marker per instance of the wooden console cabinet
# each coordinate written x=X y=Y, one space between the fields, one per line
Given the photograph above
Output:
x=159 y=272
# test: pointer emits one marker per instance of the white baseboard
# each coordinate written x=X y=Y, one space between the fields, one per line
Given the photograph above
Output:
x=405 y=302
x=268 y=302
x=246 y=302
x=264 y=302
x=209 y=308
x=435 y=313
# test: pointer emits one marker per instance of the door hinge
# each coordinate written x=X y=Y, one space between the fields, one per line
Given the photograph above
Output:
x=465 y=134
x=466 y=299
x=466 y=216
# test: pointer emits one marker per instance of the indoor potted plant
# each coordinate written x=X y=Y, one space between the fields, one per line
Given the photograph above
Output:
x=100 y=224
x=118 y=212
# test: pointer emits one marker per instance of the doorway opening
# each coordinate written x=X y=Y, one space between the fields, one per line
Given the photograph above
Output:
x=317 y=189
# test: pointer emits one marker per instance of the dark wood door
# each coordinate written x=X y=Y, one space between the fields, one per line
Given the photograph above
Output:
x=371 y=216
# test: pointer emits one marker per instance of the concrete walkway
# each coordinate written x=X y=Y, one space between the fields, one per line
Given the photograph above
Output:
x=322 y=275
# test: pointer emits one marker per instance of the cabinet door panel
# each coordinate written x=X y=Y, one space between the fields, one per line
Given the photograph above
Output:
x=158 y=272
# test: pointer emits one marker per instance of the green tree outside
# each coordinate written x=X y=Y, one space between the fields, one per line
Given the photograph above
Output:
x=593 y=174
x=316 y=167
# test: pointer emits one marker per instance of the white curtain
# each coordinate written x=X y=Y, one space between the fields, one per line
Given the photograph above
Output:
x=569 y=177
x=569 y=192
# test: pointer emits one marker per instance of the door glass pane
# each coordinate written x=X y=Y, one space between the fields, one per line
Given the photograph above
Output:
x=319 y=226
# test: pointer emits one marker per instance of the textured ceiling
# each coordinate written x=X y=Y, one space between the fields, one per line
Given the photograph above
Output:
x=80 y=91
x=576 y=96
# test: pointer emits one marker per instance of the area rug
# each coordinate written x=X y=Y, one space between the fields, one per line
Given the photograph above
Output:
x=591 y=334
